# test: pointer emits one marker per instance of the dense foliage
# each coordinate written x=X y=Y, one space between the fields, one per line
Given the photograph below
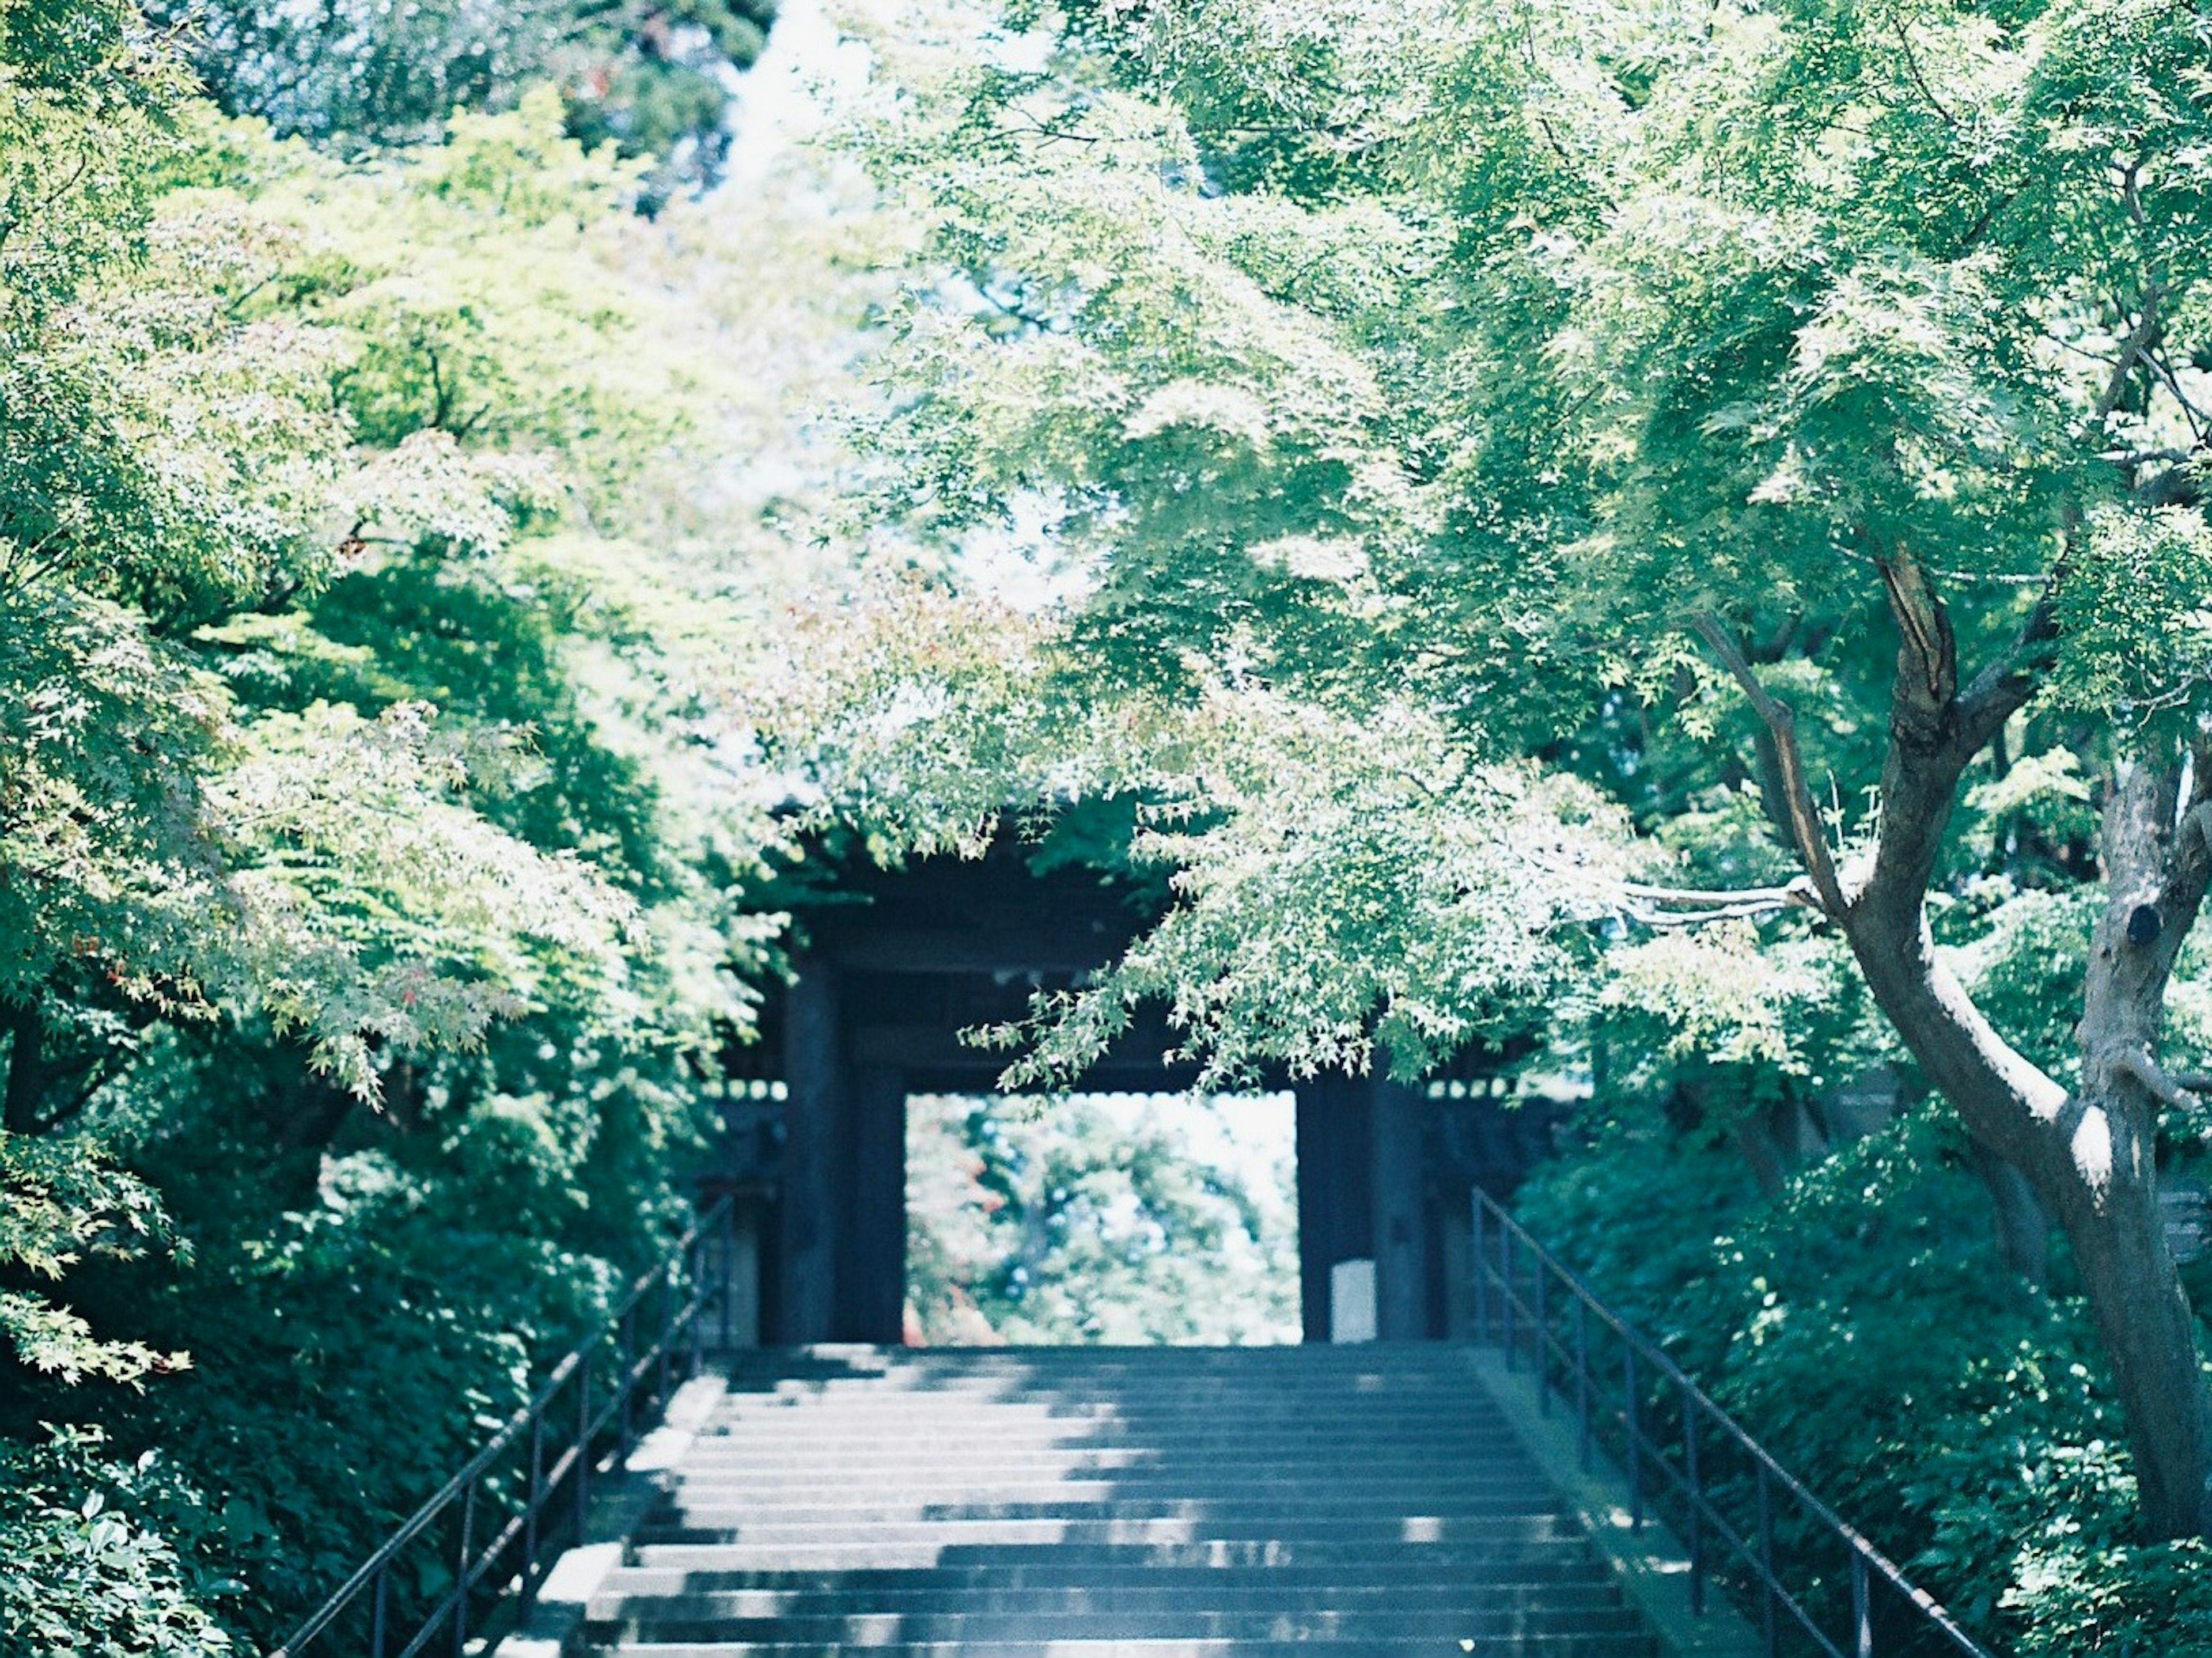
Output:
x=1666 y=540
x=1863 y=1324
x=369 y=825
x=1665 y=536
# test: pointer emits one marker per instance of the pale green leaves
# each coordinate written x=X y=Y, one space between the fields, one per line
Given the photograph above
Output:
x=2136 y=610
x=380 y=912
x=1348 y=894
x=59 y=1202
x=1721 y=994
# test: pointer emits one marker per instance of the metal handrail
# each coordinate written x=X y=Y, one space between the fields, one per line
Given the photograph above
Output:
x=687 y=1288
x=1681 y=1466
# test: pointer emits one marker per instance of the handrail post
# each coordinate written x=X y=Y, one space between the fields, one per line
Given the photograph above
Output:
x=1861 y=1612
x=378 y=1601
x=1769 y=1624
x=1505 y=1292
x=1697 y=1495
x=1541 y=1328
x=1481 y=1271
x=667 y=1327
x=628 y=1357
x=461 y=1572
x=537 y=1500
x=694 y=1304
x=1630 y=1409
x=583 y=1486
x=1581 y=1383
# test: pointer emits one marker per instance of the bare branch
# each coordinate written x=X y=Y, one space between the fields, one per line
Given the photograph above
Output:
x=1912 y=68
x=2003 y=687
x=2140 y=339
x=1804 y=816
x=1696 y=907
x=1722 y=898
x=2134 y=1062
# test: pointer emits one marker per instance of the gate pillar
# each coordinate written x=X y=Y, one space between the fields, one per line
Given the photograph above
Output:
x=806 y=1212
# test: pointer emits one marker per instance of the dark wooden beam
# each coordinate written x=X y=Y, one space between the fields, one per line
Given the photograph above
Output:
x=963 y=951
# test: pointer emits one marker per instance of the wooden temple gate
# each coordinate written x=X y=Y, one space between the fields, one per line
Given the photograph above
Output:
x=887 y=976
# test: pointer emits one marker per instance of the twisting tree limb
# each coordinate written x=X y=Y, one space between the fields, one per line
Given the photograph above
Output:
x=2170 y=1091
x=1664 y=909
x=1718 y=897
x=2002 y=688
x=2140 y=339
x=1804 y=816
x=1926 y=630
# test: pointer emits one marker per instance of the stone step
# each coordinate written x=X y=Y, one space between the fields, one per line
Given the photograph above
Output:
x=1069 y=1405
x=1246 y=1438
x=1190 y=1427
x=1115 y=1464
x=1360 y=1559
x=835 y=1358
x=1044 y=1573
x=689 y=1525
x=1085 y=1486
x=1459 y=1460
x=1191 y=1434
x=678 y=1594
x=1067 y=1400
x=1138 y=1470
x=1443 y=1624
x=705 y=1503
x=1505 y=1646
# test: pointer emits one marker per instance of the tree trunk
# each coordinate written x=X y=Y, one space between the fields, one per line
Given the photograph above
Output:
x=27 y=1069
x=2023 y=1223
x=2090 y=1157
x=2149 y=1336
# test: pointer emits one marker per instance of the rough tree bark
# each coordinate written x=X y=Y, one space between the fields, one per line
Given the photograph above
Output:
x=26 y=1082
x=2087 y=1156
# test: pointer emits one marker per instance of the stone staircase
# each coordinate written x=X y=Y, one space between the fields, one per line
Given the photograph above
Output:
x=1163 y=1502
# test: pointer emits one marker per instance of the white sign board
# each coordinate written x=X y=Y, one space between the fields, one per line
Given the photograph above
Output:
x=1352 y=1300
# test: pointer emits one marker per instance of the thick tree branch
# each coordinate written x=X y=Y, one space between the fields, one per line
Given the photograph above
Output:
x=2004 y=685
x=1664 y=909
x=26 y=1074
x=1928 y=654
x=1721 y=897
x=2141 y=338
x=1934 y=732
x=1804 y=816
x=2166 y=1090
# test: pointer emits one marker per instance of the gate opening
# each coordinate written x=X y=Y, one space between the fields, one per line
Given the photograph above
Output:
x=1126 y=1219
